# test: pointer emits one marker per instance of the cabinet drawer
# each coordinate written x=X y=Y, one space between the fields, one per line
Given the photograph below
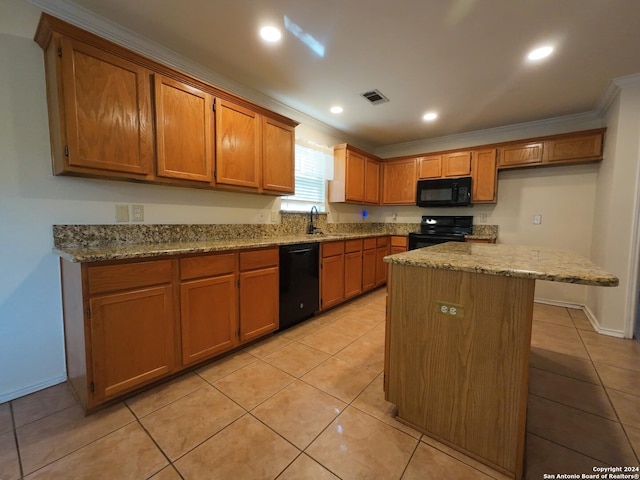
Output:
x=332 y=248
x=382 y=241
x=207 y=265
x=369 y=243
x=352 y=246
x=397 y=241
x=110 y=278
x=267 y=257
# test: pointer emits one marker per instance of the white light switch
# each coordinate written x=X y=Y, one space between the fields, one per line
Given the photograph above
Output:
x=537 y=219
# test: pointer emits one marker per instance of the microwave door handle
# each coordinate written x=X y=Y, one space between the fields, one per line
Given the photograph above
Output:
x=454 y=192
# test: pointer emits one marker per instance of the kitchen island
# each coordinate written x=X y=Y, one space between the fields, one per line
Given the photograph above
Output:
x=458 y=341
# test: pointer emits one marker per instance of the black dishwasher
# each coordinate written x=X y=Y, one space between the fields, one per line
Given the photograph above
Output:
x=299 y=282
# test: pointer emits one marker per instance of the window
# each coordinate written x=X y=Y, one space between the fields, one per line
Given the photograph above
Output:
x=312 y=165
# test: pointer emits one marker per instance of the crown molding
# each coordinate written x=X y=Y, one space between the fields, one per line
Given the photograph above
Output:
x=87 y=20
x=614 y=88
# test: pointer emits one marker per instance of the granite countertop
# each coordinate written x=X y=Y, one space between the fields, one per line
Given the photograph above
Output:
x=129 y=251
x=539 y=263
x=490 y=237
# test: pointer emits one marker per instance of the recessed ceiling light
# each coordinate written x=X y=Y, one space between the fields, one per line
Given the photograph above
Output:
x=540 y=53
x=270 y=34
x=430 y=117
x=336 y=109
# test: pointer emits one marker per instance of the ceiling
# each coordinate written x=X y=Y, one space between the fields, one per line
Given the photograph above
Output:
x=465 y=59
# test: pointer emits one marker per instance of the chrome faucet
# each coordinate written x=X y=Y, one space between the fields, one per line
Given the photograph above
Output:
x=312 y=228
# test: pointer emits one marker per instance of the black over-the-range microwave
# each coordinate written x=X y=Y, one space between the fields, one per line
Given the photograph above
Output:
x=444 y=192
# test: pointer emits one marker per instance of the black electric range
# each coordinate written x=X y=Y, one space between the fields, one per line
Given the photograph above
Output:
x=441 y=229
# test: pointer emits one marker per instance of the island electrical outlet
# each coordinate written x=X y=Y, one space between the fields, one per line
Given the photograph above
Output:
x=451 y=309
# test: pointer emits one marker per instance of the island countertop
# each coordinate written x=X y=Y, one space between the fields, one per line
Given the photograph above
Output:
x=539 y=263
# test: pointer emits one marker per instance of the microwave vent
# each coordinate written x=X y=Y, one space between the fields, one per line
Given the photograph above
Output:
x=375 y=97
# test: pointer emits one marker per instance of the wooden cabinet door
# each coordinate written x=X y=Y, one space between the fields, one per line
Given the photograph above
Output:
x=209 y=317
x=381 y=267
x=399 y=179
x=484 y=175
x=369 y=260
x=237 y=145
x=131 y=339
x=354 y=177
x=580 y=148
x=456 y=164
x=372 y=182
x=331 y=281
x=520 y=154
x=430 y=167
x=183 y=131
x=278 y=153
x=259 y=297
x=352 y=274
x=107 y=111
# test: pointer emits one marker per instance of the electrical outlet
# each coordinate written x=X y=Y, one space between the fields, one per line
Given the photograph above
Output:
x=394 y=217
x=122 y=213
x=260 y=216
x=482 y=218
x=275 y=216
x=137 y=213
x=450 y=309
x=537 y=219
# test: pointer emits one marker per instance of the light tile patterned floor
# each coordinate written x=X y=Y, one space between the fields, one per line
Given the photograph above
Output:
x=308 y=404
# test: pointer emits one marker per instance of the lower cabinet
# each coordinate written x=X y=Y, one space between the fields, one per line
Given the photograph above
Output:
x=399 y=244
x=259 y=293
x=130 y=323
x=208 y=305
x=382 y=250
x=369 y=260
x=331 y=274
x=352 y=268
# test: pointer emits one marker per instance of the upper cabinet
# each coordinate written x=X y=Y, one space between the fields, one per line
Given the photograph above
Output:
x=100 y=111
x=103 y=100
x=237 y=145
x=456 y=164
x=278 y=153
x=484 y=182
x=576 y=147
x=520 y=154
x=573 y=148
x=399 y=178
x=184 y=131
x=356 y=176
x=430 y=166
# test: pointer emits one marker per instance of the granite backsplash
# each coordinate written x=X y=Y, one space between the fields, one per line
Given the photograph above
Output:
x=71 y=236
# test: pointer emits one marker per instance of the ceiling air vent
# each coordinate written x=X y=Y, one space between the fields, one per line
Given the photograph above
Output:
x=375 y=97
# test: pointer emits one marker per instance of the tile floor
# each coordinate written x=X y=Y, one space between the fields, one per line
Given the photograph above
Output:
x=308 y=404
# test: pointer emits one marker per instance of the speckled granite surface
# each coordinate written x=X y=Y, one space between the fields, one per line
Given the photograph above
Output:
x=537 y=263
x=484 y=232
x=91 y=243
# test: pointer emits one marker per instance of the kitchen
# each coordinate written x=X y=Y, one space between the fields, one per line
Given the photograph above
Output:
x=570 y=198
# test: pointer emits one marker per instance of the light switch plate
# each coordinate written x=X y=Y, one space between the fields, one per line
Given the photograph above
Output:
x=122 y=213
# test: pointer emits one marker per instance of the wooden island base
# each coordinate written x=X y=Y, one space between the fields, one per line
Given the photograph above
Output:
x=461 y=376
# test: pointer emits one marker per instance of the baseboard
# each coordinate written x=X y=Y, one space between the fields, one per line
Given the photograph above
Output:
x=590 y=316
x=33 y=388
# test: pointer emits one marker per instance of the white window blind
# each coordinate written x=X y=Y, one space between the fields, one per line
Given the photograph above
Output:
x=312 y=164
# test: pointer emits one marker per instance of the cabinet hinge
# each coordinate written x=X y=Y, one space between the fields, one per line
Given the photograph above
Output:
x=92 y=387
x=66 y=150
x=88 y=313
x=213 y=106
x=60 y=51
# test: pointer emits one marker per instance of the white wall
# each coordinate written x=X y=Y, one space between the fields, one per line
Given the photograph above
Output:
x=616 y=208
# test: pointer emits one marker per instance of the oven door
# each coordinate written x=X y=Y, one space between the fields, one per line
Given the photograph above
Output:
x=420 y=240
